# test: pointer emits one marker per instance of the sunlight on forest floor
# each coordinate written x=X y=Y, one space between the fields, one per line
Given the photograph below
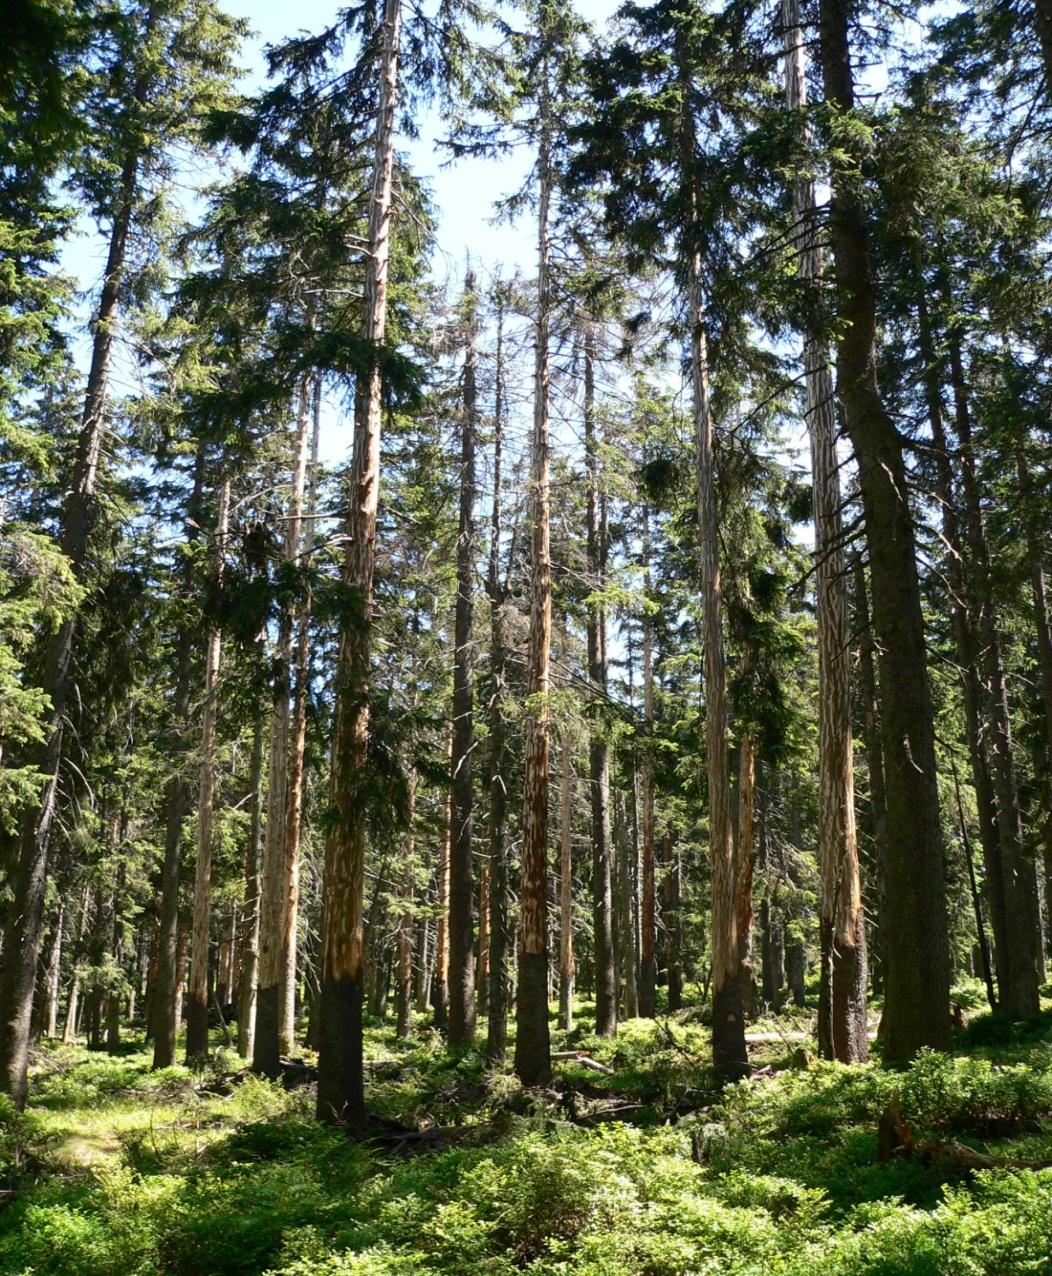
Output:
x=637 y=1166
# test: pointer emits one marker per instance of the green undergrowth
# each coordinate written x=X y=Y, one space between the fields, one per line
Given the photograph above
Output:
x=644 y=1169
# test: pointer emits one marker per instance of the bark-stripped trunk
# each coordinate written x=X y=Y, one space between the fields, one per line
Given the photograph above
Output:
x=598 y=750
x=177 y=799
x=29 y=872
x=566 y=966
x=1022 y=950
x=246 y=1023
x=964 y=636
x=197 y=1007
x=744 y=870
x=648 y=908
x=462 y=877
x=497 y=1023
x=625 y=946
x=341 y=1091
x=69 y=1025
x=917 y=958
x=533 y=1042
x=842 y=1013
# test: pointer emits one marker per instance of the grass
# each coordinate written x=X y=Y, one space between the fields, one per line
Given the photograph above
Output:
x=117 y=1171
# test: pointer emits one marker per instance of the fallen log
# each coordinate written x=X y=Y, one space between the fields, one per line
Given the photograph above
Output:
x=895 y=1139
x=586 y=1060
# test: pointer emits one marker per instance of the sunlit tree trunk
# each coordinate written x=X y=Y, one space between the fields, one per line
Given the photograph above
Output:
x=842 y=1015
x=197 y=1007
x=917 y=957
x=341 y=1091
x=648 y=908
x=744 y=852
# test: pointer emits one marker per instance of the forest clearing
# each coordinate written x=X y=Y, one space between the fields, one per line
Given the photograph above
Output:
x=525 y=649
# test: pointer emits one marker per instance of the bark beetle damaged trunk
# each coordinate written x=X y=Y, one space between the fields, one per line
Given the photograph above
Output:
x=341 y=1089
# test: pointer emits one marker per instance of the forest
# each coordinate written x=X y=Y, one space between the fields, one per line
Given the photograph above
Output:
x=532 y=768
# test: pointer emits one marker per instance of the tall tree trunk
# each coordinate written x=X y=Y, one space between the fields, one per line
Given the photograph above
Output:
x=566 y=965
x=842 y=1018
x=917 y=975
x=246 y=1023
x=533 y=1042
x=301 y=537
x=177 y=799
x=598 y=750
x=278 y=865
x=625 y=947
x=197 y=1008
x=69 y=1026
x=29 y=873
x=964 y=637
x=462 y=877
x=1022 y=951
x=1044 y=664
x=52 y=977
x=496 y=1032
x=648 y=902
x=728 y=1027
x=341 y=1091
x=744 y=852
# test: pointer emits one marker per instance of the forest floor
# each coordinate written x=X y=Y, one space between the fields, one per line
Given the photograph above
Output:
x=637 y=1167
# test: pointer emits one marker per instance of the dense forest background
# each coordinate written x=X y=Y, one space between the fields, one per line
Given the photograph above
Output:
x=433 y=686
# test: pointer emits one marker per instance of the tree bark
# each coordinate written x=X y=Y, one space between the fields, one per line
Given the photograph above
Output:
x=533 y=1041
x=744 y=853
x=598 y=750
x=673 y=927
x=440 y=979
x=1022 y=950
x=566 y=959
x=842 y=1016
x=964 y=636
x=462 y=1006
x=28 y=878
x=917 y=959
x=341 y=1091
x=197 y=1008
x=246 y=1023
x=496 y=1032
x=177 y=799
x=648 y=902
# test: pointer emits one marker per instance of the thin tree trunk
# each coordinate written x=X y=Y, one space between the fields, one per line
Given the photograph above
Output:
x=533 y=1041
x=197 y=1009
x=404 y=989
x=598 y=751
x=301 y=536
x=626 y=930
x=917 y=960
x=52 y=977
x=964 y=637
x=842 y=1017
x=246 y=1023
x=1022 y=952
x=462 y=878
x=980 y=929
x=440 y=979
x=28 y=878
x=497 y=1023
x=744 y=871
x=648 y=910
x=566 y=965
x=673 y=927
